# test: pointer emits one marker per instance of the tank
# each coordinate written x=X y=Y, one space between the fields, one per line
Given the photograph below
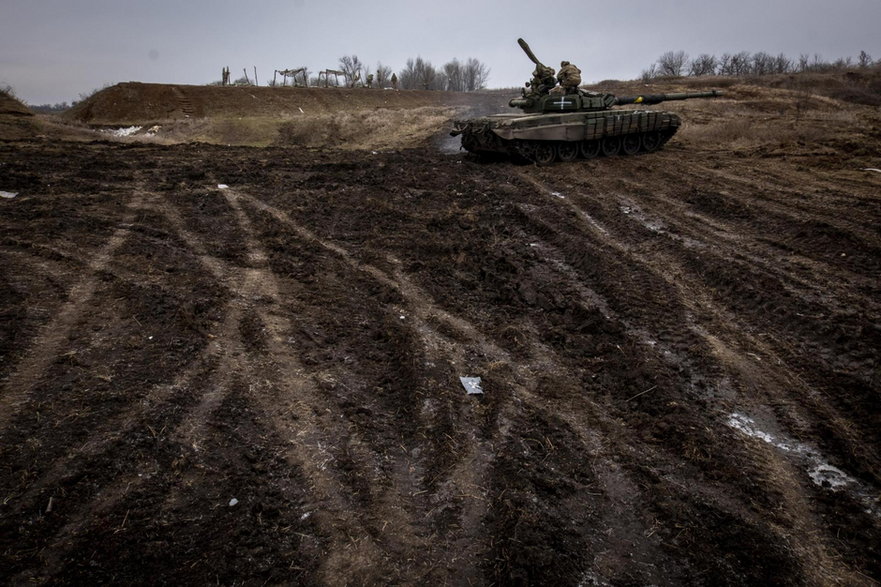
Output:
x=559 y=124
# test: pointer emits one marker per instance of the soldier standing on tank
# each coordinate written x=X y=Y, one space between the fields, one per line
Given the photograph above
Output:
x=542 y=79
x=569 y=77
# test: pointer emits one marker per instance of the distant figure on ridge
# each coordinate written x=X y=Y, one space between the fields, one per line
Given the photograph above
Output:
x=394 y=81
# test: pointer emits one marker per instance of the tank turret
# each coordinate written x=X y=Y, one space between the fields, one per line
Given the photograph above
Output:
x=584 y=101
x=557 y=123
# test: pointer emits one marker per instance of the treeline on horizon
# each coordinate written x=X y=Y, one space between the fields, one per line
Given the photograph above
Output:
x=679 y=64
x=417 y=74
x=472 y=74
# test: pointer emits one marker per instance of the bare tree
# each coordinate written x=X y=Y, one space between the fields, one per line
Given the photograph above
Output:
x=352 y=67
x=843 y=63
x=762 y=63
x=672 y=63
x=418 y=74
x=453 y=71
x=476 y=74
x=383 y=75
x=819 y=64
x=426 y=75
x=703 y=64
x=650 y=73
x=864 y=60
x=782 y=64
x=407 y=76
x=741 y=63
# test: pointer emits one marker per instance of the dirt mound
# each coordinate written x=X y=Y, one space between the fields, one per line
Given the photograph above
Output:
x=16 y=121
x=255 y=116
x=134 y=103
x=9 y=105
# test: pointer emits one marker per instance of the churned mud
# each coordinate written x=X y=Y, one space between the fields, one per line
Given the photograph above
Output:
x=242 y=365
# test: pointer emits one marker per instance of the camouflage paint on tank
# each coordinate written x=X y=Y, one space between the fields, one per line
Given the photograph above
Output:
x=554 y=120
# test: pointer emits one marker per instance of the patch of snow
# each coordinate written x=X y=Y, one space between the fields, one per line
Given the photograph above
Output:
x=821 y=473
x=827 y=475
x=746 y=425
x=222 y=186
x=8 y=195
x=125 y=131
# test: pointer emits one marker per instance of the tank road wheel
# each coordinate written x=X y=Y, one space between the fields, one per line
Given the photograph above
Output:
x=611 y=146
x=545 y=153
x=567 y=151
x=589 y=149
x=651 y=141
x=630 y=144
x=525 y=151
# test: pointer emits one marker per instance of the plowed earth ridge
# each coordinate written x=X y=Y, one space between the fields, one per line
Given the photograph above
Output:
x=260 y=382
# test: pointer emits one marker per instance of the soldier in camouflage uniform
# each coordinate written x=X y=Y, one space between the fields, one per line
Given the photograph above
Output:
x=542 y=80
x=569 y=77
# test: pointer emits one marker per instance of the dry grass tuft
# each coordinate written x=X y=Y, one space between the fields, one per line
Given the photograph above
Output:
x=365 y=129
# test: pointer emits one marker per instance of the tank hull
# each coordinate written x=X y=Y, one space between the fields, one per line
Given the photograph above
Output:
x=532 y=136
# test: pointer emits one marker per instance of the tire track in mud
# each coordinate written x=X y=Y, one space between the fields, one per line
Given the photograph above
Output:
x=807 y=312
x=776 y=194
x=47 y=344
x=746 y=374
x=227 y=352
x=421 y=313
x=109 y=437
x=109 y=434
x=310 y=425
x=313 y=427
x=471 y=473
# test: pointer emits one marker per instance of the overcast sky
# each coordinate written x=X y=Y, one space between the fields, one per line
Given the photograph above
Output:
x=54 y=50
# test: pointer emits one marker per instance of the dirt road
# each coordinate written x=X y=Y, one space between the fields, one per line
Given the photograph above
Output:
x=242 y=365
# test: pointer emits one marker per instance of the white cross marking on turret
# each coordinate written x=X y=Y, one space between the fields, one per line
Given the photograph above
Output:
x=563 y=102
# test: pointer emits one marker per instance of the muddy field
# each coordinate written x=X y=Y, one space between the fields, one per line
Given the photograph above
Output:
x=241 y=365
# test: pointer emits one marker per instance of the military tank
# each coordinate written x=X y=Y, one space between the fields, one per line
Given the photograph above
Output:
x=556 y=125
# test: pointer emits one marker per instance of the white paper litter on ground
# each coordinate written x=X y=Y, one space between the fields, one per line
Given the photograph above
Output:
x=471 y=385
x=8 y=195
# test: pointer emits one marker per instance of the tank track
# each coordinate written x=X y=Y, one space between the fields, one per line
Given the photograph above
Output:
x=547 y=152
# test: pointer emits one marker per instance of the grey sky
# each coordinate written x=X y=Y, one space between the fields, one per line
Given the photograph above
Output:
x=54 y=50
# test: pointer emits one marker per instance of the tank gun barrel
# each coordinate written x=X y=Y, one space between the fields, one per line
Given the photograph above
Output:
x=658 y=98
x=528 y=51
